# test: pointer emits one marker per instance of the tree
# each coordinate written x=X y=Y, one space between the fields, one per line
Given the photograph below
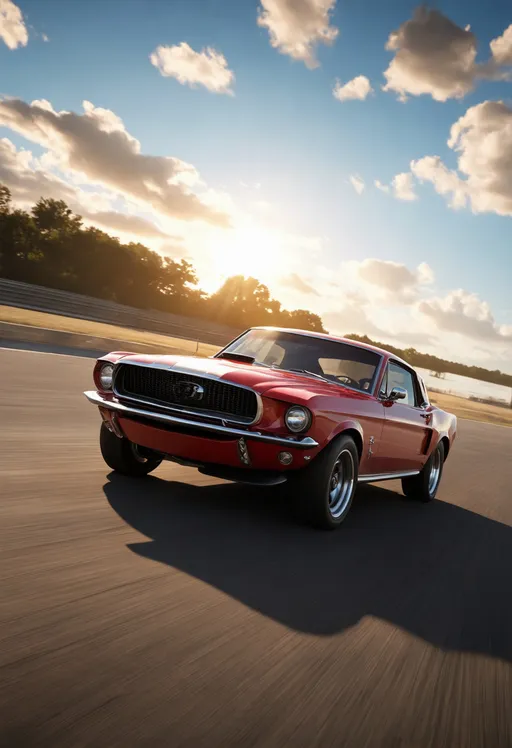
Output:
x=241 y=298
x=5 y=199
x=20 y=256
x=176 y=278
x=55 y=216
x=304 y=320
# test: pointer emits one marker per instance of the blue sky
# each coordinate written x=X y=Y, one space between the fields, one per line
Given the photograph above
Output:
x=281 y=151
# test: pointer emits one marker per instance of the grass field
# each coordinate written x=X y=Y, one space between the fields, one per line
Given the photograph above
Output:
x=461 y=407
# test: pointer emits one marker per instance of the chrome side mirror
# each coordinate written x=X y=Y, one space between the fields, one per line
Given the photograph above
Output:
x=397 y=393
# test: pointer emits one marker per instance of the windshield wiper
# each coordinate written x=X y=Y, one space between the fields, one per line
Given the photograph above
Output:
x=309 y=373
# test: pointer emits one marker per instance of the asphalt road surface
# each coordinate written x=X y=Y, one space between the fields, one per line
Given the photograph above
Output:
x=182 y=611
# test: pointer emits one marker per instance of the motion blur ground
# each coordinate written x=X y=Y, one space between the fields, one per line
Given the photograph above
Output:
x=183 y=611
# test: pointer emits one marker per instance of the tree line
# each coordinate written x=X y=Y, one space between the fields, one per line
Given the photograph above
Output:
x=434 y=363
x=50 y=246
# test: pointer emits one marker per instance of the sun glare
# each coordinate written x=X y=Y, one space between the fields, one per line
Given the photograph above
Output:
x=250 y=251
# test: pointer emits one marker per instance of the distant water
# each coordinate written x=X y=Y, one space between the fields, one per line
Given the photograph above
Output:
x=454 y=384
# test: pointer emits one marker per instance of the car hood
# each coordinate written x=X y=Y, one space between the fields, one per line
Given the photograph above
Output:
x=274 y=383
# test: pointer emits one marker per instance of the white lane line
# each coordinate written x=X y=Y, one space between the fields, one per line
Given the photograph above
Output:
x=45 y=353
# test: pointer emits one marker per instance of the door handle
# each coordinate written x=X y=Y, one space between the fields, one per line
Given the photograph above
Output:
x=426 y=416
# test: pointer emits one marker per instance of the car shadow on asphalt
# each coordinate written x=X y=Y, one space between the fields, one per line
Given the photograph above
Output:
x=436 y=570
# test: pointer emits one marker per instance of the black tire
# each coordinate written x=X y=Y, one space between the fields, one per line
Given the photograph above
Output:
x=125 y=457
x=423 y=487
x=312 y=489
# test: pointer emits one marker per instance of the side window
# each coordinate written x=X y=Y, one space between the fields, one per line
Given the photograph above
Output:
x=400 y=377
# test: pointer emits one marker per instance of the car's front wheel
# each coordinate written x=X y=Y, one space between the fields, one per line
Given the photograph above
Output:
x=124 y=456
x=423 y=486
x=324 y=491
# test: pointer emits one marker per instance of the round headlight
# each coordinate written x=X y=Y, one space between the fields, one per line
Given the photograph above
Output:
x=297 y=418
x=106 y=376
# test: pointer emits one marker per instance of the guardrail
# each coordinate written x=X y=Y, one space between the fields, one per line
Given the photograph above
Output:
x=53 y=301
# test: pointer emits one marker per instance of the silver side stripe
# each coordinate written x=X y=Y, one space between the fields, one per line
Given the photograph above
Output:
x=377 y=477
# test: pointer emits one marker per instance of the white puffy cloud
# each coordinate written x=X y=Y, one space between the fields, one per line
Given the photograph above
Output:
x=353 y=317
x=403 y=187
x=434 y=56
x=374 y=297
x=297 y=283
x=482 y=138
x=125 y=223
x=380 y=186
x=357 y=183
x=97 y=149
x=207 y=68
x=358 y=88
x=357 y=312
x=13 y=30
x=28 y=181
x=466 y=314
x=396 y=280
x=296 y=27
x=356 y=316
x=446 y=181
x=424 y=274
x=19 y=171
x=501 y=47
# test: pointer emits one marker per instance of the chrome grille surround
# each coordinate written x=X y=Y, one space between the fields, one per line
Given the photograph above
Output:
x=226 y=394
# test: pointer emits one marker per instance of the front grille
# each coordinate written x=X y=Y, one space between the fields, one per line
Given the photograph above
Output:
x=170 y=388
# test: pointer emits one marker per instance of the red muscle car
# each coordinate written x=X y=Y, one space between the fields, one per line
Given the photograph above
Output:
x=318 y=412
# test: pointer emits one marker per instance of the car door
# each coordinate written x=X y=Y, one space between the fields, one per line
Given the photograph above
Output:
x=407 y=424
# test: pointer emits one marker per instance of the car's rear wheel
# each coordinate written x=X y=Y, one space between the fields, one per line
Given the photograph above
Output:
x=423 y=487
x=324 y=491
x=124 y=456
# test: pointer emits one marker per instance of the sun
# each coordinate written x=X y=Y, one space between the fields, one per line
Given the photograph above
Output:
x=250 y=251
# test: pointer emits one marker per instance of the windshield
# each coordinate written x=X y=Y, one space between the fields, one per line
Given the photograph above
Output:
x=342 y=363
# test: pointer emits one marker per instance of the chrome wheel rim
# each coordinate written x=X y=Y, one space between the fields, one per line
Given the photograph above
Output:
x=435 y=472
x=341 y=483
x=137 y=454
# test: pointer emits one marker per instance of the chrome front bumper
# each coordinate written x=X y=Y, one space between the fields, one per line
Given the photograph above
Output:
x=305 y=442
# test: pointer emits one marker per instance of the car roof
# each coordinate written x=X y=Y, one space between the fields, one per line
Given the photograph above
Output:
x=337 y=339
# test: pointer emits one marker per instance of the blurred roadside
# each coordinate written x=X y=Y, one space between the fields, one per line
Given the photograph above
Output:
x=28 y=326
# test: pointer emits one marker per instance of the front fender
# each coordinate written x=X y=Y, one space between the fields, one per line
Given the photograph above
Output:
x=329 y=429
x=359 y=415
x=348 y=424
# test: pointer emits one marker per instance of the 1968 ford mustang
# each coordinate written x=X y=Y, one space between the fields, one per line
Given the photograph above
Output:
x=318 y=412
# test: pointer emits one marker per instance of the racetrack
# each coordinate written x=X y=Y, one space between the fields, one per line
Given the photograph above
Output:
x=182 y=611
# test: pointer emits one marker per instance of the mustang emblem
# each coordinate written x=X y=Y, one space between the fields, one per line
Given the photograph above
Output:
x=188 y=391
